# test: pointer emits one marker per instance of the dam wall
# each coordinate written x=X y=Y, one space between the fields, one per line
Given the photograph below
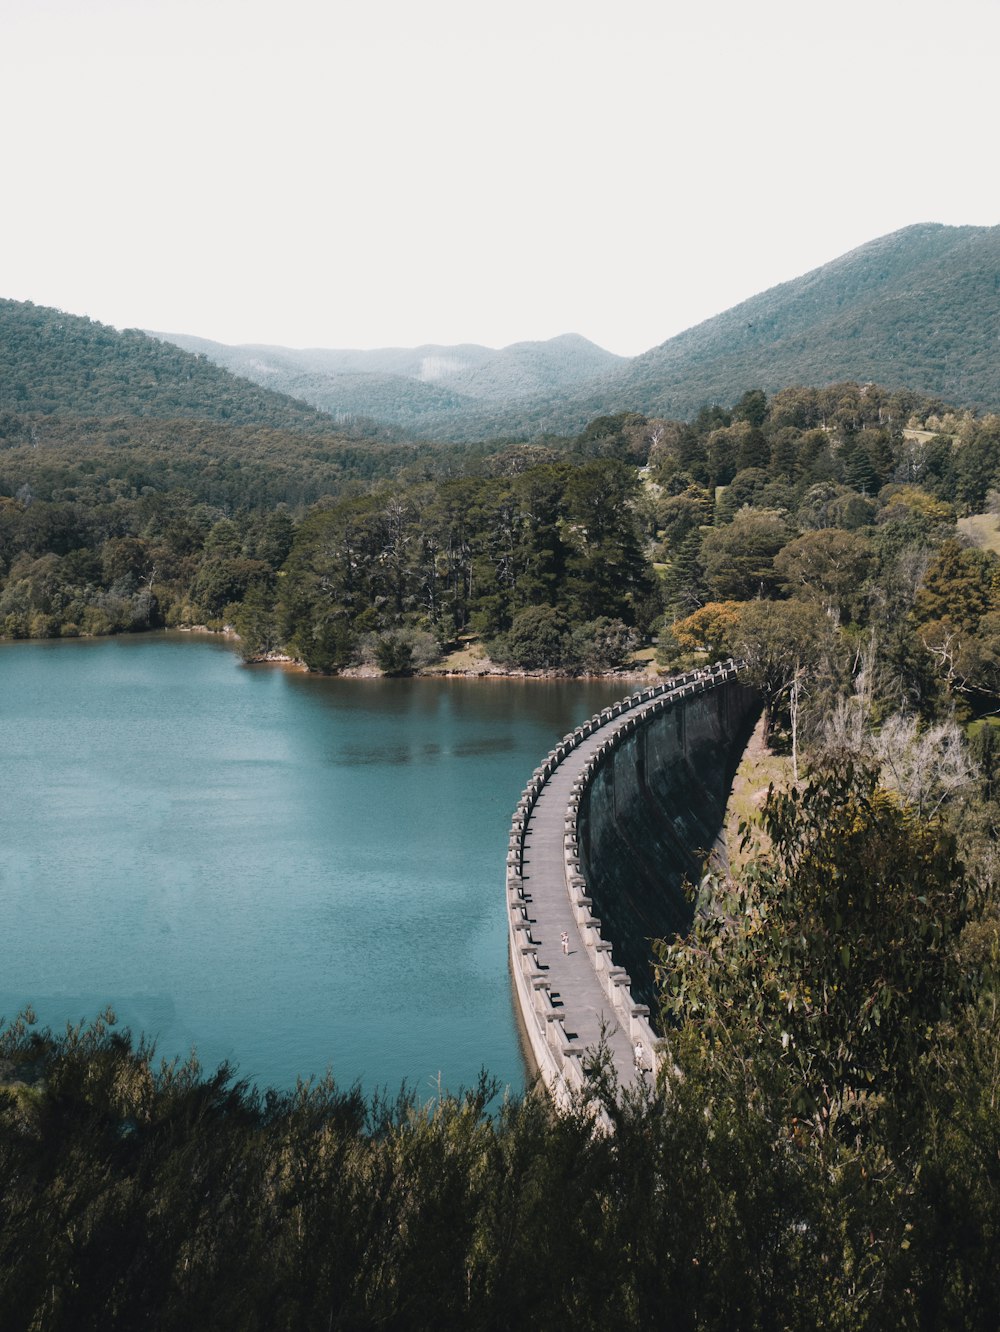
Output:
x=652 y=815
x=618 y=816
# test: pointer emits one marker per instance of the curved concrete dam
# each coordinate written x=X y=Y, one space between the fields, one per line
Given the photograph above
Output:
x=621 y=814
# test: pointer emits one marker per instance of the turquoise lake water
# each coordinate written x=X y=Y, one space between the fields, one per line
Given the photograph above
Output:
x=288 y=872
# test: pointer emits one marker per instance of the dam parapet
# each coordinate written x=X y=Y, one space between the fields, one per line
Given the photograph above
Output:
x=618 y=818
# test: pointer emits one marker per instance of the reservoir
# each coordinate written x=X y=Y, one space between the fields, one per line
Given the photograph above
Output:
x=287 y=872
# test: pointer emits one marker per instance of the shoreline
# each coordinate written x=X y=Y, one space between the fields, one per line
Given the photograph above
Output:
x=484 y=669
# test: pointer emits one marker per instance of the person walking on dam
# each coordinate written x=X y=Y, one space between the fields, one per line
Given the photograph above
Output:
x=565 y=941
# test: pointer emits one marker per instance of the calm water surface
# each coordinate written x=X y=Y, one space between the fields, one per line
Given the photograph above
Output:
x=280 y=870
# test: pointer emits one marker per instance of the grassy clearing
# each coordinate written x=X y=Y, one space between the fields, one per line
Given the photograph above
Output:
x=644 y=659
x=470 y=656
x=983 y=529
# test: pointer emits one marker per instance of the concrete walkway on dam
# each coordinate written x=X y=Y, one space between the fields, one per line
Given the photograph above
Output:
x=566 y=853
x=572 y=978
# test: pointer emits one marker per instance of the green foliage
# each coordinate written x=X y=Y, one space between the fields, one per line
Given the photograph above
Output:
x=602 y=645
x=708 y=630
x=840 y=997
x=959 y=587
x=221 y=582
x=984 y=749
x=739 y=558
x=56 y=362
x=537 y=639
x=752 y=408
x=257 y=623
x=680 y=514
x=873 y=563
x=394 y=655
x=835 y=955
x=326 y=646
x=828 y=567
x=626 y=436
x=153 y=522
x=542 y=638
x=975 y=465
x=785 y=645
x=957 y=611
x=480 y=551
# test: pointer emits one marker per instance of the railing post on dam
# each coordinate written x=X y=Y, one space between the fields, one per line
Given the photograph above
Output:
x=582 y=882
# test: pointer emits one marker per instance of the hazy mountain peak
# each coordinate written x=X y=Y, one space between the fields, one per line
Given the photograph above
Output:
x=394 y=383
x=440 y=366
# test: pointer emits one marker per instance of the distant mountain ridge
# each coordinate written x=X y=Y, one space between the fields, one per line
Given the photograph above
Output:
x=917 y=309
x=405 y=386
x=428 y=362
x=88 y=409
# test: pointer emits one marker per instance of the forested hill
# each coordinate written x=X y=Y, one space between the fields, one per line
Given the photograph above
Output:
x=917 y=309
x=55 y=363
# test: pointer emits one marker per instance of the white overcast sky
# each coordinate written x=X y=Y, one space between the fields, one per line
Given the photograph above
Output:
x=393 y=172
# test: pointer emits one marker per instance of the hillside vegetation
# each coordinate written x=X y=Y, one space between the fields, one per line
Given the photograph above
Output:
x=397 y=399
x=82 y=405
x=816 y=508
x=918 y=309
x=56 y=363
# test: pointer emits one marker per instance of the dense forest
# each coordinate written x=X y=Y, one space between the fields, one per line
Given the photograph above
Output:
x=57 y=363
x=820 y=520
x=916 y=309
x=825 y=1147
